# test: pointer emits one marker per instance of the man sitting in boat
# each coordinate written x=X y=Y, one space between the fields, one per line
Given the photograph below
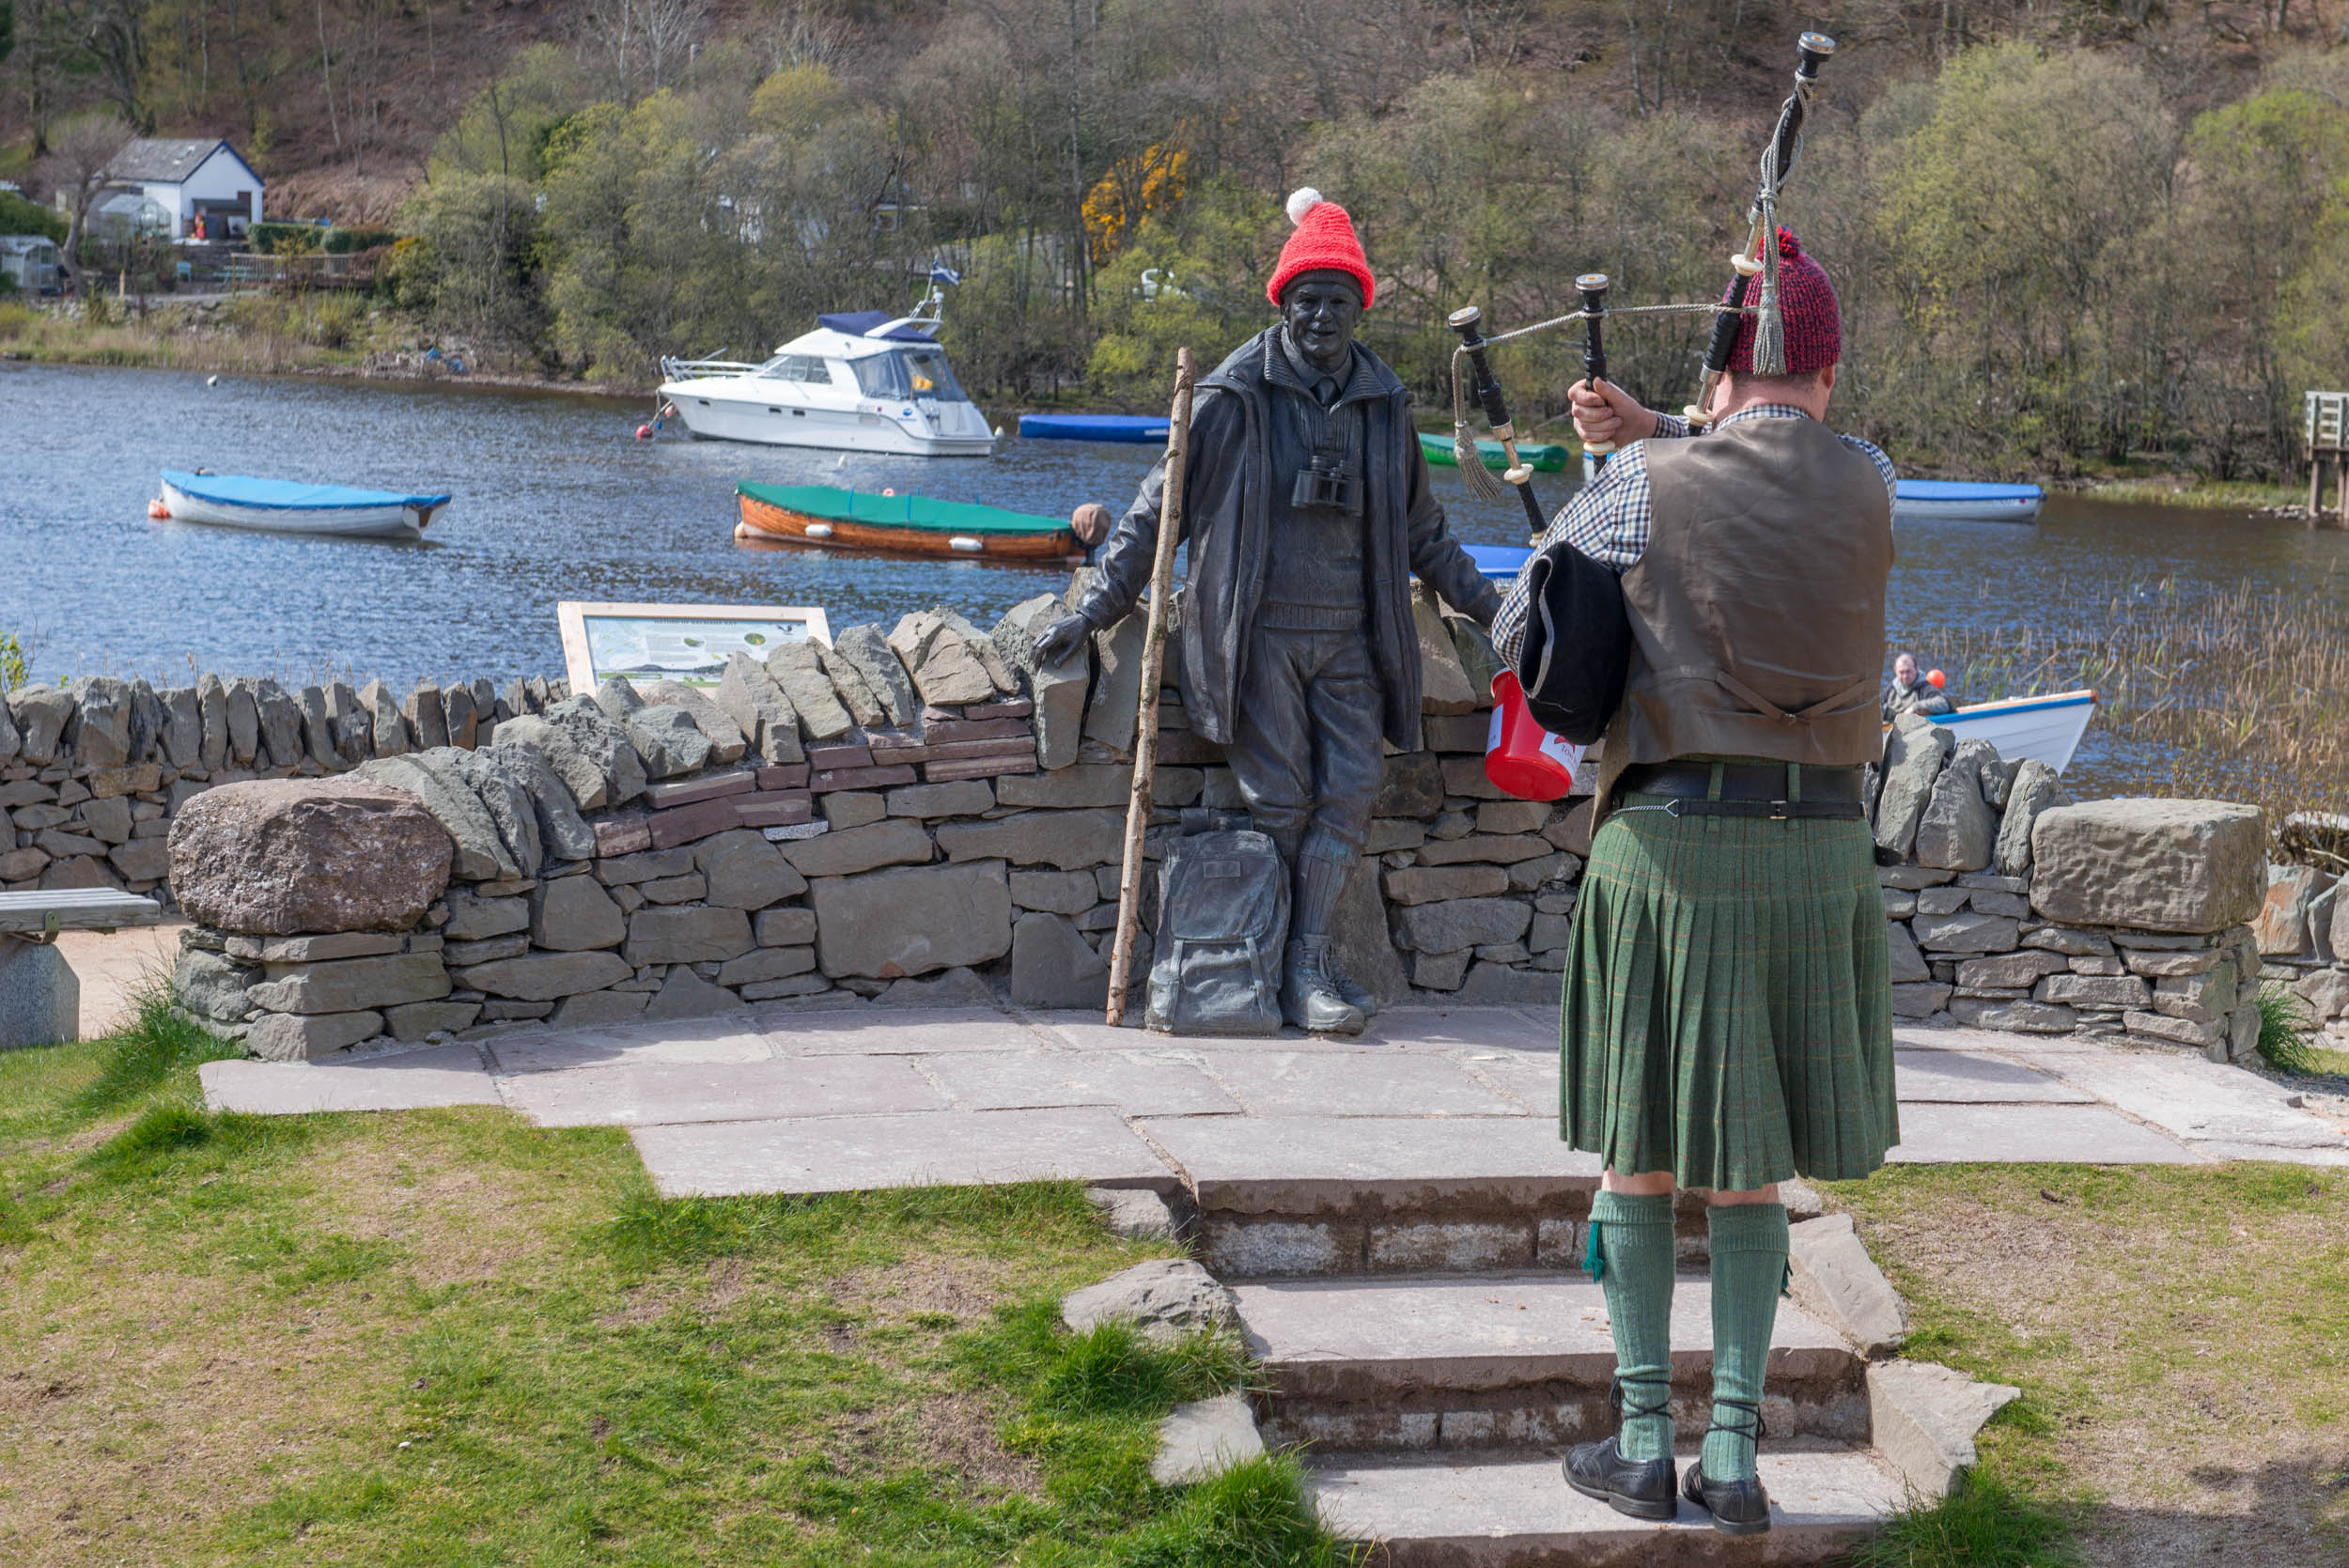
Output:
x=1912 y=692
x=1091 y=523
x=1308 y=510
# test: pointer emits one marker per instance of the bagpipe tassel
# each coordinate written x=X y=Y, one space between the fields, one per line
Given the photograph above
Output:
x=1475 y=478
x=1769 y=328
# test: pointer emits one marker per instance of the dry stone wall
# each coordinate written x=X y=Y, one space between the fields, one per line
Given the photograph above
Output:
x=921 y=814
x=918 y=814
x=2012 y=909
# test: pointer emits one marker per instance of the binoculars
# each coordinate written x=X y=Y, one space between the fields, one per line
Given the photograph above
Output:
x=1329 y=482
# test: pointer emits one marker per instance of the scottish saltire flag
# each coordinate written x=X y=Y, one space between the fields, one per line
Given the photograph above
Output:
x=940 y=272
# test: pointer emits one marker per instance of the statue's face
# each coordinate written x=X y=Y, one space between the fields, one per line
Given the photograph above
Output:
x=1322 y=309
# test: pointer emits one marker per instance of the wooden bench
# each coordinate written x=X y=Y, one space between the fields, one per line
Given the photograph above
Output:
x=41 y=999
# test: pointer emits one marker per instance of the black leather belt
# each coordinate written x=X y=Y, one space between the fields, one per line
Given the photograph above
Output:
x=1750 y=789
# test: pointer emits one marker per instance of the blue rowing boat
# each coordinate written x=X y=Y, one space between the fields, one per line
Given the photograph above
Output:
x=1964 y=500
x=1501 y=563
x=1139 y=430
x=289 y=506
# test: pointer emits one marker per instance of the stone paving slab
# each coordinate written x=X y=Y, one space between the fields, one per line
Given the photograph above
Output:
x=1297 y=1164
x=1489 y=1332
x=1921 y=1077
x=2059 y=1134
x=899 y=1031
x=1162 y=1083
x=1530 y=1078
x=415 y=1080
x=703 y=1041
x=1489 y=1028
x=849 y=1154
x=645 y=1092
x=2192 y=1098
x=1086 y=1032
x=1308 y=1083
x=1922 y=1037
x=1520 y=1511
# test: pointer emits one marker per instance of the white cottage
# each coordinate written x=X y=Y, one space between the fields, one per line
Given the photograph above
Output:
x=191 y=182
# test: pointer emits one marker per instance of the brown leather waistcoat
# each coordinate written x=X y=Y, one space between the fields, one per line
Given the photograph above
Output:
x=1757 y=612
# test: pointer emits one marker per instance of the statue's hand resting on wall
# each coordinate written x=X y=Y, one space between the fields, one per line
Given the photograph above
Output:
x=1063 y=638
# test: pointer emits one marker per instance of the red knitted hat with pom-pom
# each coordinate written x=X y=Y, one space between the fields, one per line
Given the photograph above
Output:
x=1324 y=239
x=1806 y=304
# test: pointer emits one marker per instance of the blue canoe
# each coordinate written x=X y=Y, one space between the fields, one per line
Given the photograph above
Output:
x=1137 y=429
x=288 y=506
x=1501 y=563
x=1963 y=501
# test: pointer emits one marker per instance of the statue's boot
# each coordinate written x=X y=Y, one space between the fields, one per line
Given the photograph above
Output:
x=1323 y=862
x=1309 y=997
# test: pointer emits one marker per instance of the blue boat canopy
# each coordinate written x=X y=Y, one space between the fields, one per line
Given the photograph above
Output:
x=1138 y=429
x=860 y=323
x=287 y=495
x=1966 y=489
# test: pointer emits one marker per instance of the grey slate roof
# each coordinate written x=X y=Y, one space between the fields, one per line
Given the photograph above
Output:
x=166 y=159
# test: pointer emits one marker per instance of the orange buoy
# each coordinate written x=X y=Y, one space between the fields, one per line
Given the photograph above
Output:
x=644 y=432
x=1522 y=758
x=1938 y=679
x=157 y=511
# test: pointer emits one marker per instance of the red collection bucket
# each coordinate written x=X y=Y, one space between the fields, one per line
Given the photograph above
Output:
x=1522 y=758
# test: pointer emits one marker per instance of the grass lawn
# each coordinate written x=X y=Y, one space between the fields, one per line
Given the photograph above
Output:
x=447 y=1338
x=2181 y=1336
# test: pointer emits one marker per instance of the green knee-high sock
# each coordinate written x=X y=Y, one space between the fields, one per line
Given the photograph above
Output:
x=1631 y=1257
x=1748 y=1243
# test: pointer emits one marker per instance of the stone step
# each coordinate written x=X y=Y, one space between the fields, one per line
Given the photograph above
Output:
x=1516 y=1512
x=1290 y=1196
x=1453 y=1362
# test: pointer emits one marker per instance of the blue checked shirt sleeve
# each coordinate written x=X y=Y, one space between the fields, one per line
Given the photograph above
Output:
x=1608 y=521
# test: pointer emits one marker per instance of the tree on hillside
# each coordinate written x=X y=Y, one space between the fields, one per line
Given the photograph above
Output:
x=79 y=151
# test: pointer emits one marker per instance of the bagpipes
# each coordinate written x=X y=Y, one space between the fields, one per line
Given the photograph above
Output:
x=1576 y=652
x=1758 y=257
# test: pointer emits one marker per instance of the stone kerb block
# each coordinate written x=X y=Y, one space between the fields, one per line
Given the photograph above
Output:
x=1831 y=1277
x=1923 y=1419
x=2149 y=865
x=912 y=920
x=292 y=857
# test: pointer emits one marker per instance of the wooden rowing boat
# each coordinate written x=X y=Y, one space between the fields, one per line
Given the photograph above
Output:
x=900 y=524
x=292 y=506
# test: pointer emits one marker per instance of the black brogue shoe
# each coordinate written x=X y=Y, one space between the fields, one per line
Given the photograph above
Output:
x=1639 y=1487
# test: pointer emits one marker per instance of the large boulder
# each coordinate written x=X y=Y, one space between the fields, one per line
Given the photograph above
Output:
x=2149 y=865
x=911 y=921
x=291 y=856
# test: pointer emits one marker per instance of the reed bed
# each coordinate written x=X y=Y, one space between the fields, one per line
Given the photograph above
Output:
x=2241 y=696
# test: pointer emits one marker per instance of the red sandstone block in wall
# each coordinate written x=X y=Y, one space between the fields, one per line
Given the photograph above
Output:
x=1008 y=708
x=830 y=759
x=774 y=808
x=684 y=792
x=627 y=835
x=690 y=824
x=964 y=750
x=790 y=775
x=976 y=729
x=860 y=778
x=977 y=768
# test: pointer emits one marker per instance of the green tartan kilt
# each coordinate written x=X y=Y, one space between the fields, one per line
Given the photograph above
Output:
x=1727 y=1012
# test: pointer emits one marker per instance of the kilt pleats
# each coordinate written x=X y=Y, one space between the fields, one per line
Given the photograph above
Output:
x=1726 y=1010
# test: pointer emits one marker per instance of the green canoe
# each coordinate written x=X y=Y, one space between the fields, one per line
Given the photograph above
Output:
x=1547 y=457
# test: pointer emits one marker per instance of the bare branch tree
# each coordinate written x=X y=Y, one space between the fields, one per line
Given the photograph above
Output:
x=79 y=151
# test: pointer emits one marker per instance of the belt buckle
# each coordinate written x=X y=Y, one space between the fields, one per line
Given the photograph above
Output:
x=1778 y=811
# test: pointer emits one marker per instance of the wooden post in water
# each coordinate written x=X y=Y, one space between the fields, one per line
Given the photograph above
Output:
x=1146 y=720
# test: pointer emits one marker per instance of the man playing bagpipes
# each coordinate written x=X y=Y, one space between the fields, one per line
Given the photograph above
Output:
x=1726 y=1017
x=1308 y=510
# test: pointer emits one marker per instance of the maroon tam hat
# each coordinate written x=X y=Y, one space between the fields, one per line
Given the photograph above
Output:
x=1806 y=306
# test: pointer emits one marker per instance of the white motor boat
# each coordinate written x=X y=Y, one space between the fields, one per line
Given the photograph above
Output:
x=861 y=382
x=2045 y=729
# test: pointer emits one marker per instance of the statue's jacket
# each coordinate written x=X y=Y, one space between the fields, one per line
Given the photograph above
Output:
x=1226 y=523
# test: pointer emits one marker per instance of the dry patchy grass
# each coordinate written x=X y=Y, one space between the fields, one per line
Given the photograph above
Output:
x=446 y=1337
x=2178 y=1334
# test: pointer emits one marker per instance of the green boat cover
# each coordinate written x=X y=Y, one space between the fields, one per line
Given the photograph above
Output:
x=1544 y=456
x=898 y=511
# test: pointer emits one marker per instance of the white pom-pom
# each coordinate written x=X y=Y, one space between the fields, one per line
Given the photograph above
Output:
x=1301 y=201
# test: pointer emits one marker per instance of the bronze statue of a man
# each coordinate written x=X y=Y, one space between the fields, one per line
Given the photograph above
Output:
x=1307 y=510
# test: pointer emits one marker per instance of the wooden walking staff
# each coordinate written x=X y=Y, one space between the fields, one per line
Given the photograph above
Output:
x=1146 y=721
x=1761 y=250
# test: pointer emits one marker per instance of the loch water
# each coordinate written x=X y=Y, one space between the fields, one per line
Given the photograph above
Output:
x=556 y=500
